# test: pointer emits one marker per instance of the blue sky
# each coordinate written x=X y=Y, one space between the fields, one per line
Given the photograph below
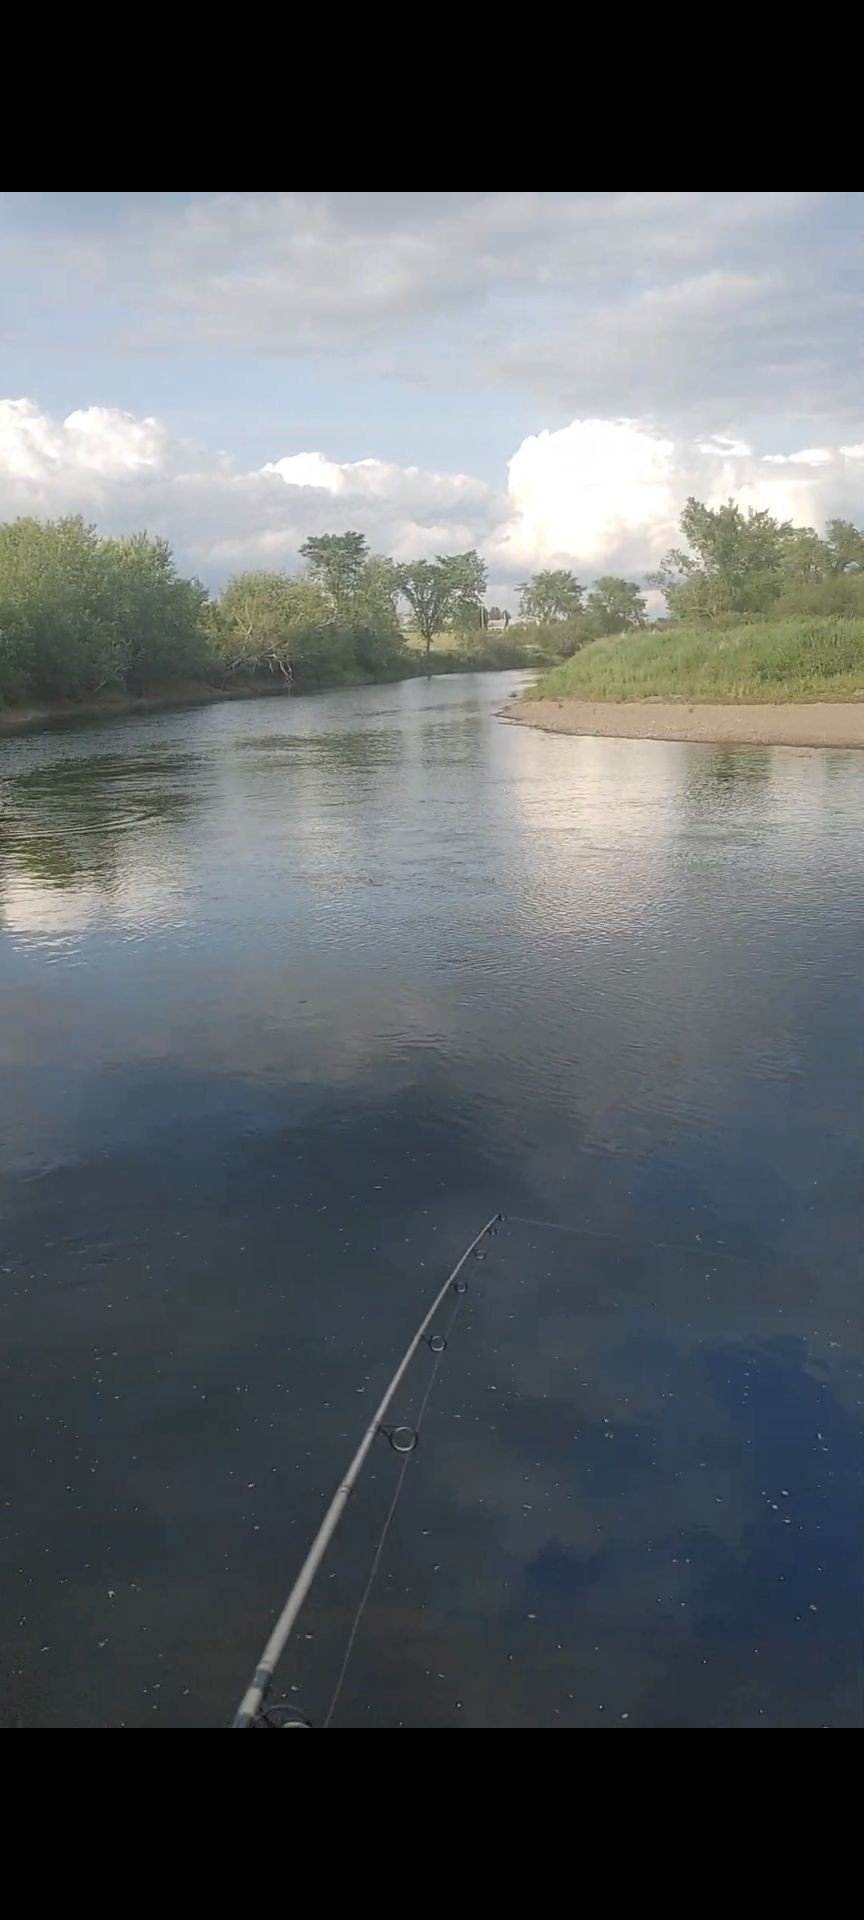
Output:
x=545 y=375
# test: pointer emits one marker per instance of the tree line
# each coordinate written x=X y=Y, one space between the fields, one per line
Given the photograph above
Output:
x=740 y=565
x=82 y=613
x=555 y=598
x=736 y=564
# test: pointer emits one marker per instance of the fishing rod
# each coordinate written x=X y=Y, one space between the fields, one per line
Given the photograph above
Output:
x=402 y=1440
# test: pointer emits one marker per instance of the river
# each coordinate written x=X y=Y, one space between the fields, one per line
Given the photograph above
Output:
x=295 y=994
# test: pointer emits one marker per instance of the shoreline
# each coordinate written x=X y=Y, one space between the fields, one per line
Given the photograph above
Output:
x=829 y=723
x=116 y=706
x=63 y=713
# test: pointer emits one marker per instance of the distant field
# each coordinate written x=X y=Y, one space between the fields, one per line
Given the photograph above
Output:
x=796 y=659
x=442 y=643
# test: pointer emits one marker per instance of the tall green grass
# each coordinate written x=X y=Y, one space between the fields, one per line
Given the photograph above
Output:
x=794 y=659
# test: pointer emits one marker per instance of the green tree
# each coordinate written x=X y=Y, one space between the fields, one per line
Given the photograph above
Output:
x=275 y=625
x=805 y=557
x=616 y=605
x=823 y=576
x=58 y=641
x=733 y=562
x=79 y=614
x=336 y=563
x=467 y=575
x=845 y=544
x=553 y=594
x=375 y=599
x=160 y=620
x=428 y=588
x=839 y=595
x=267 y=620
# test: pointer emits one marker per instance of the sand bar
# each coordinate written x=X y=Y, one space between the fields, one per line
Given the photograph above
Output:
x=815 y=724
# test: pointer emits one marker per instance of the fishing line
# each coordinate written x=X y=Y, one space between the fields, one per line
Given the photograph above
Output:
x=376 y=1560
x=402 y=1440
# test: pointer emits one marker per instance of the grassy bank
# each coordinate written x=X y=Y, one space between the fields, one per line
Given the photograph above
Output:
x=795 y=659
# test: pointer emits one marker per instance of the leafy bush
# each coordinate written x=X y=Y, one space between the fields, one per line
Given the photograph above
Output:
x=79 y=614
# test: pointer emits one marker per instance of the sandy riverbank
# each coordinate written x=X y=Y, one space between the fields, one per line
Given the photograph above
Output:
x=817 y=724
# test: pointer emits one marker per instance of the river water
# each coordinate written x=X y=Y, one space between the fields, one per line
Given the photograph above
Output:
x=294 y=994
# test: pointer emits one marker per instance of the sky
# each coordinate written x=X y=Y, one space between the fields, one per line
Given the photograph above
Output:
x=545 y=376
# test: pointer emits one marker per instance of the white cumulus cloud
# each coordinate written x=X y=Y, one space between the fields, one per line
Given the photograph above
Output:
x=36 y=451
x=581 y=495
x=606 y=495
x=598 y=495
x=125 y=473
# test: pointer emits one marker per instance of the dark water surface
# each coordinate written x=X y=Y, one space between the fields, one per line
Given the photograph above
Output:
x=293 y=996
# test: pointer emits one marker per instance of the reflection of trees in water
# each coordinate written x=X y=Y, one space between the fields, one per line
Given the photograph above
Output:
x=456 y=741
x=720 y=782
x=834 y=765
x=725 y=785
x=355 y=749
x=69 y=823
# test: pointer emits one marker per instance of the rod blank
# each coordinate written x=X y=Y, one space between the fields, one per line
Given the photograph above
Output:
x=253 y=1698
